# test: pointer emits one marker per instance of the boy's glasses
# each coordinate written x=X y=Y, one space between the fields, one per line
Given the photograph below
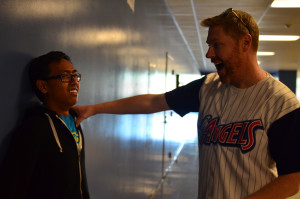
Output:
x=66 y=77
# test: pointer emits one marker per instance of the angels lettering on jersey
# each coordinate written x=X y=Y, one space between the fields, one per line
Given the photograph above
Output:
x=241 y=134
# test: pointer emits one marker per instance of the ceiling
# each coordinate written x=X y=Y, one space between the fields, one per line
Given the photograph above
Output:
x=187 y=15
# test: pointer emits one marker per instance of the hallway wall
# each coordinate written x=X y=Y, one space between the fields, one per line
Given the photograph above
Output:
x=120 y=52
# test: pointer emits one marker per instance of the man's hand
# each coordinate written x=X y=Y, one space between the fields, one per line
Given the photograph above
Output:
x=83 y=113
x=140 y=104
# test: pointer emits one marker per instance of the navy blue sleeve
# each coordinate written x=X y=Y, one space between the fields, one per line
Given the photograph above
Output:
x=185 y=99
x=284 y=137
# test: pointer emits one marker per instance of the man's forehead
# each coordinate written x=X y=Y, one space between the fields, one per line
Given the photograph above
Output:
x=216 y=29
x=215 y=33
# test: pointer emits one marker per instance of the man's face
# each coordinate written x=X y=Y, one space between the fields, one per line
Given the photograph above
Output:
x=224 y=52
x=61 y=95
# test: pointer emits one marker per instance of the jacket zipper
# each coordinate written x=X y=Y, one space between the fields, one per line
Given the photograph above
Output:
x=80 y=176
x=78 y=153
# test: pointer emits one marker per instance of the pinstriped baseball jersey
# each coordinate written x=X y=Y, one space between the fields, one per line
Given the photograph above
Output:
x=234 y=157
x=233 y=140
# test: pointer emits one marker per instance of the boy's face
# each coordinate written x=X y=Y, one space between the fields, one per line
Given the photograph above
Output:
x=61 y=96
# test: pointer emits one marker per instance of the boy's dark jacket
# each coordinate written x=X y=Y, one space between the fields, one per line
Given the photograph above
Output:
x=37 y=167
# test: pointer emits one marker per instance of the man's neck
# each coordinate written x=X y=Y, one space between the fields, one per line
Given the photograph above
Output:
x=252 y=75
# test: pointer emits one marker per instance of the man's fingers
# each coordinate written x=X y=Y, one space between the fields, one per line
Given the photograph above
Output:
x=78 y=121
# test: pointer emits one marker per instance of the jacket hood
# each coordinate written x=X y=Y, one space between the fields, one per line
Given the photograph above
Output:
x=41 y=109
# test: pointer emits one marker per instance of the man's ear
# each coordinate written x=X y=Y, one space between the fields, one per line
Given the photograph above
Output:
x=42 y=86
x=247 y=42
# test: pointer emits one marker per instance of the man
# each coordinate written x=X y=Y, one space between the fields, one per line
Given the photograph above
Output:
x=247 y=125
x=46 y=157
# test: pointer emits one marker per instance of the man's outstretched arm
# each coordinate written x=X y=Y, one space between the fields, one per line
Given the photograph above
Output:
x=140 y=104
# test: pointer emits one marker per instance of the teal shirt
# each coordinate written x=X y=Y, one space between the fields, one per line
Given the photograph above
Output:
x=69 y=120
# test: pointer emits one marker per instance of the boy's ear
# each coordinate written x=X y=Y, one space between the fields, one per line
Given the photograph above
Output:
x=42 y=86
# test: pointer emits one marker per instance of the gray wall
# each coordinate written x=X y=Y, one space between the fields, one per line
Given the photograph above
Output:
x=115 y=49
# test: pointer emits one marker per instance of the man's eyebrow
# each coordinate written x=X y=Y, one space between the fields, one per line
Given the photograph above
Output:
x=214 y=40
x=208 y=41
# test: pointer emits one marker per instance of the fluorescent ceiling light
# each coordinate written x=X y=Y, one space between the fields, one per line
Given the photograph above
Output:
x=264 y=53
x=286 y=4
x=278 y=37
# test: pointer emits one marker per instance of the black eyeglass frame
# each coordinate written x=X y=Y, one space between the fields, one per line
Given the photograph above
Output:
x=61 y=76
x=230 y=10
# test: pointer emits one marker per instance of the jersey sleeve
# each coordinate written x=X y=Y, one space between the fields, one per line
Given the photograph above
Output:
x=284 y=136
x=185 y=99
